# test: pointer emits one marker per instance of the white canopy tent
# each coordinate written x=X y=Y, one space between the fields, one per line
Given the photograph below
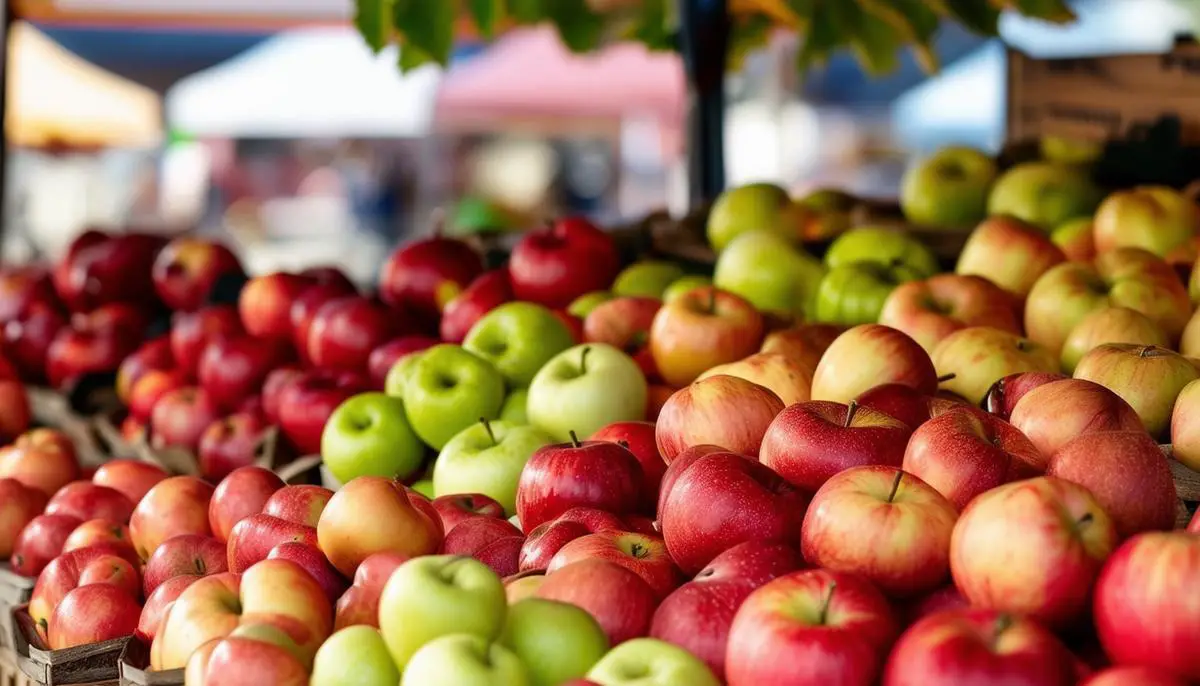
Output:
x=306 y=83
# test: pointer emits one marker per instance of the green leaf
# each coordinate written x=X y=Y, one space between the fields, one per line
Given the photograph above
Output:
x=823 y=36
x=977 y=15
x=873 y=40
x=654 y=25
x=527 y=11
x=580 y=28
x=412 y=57
x=914 y=21
x=1056 y=11
x=487 y=14
x=373 y=18
x=427 y=26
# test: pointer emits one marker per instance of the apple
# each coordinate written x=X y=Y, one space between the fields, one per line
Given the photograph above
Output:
x=23 y=286
x=867 y=356
x=65 y=283
x=158 y=604
x=944 y=598
x=487 y=458
x=810 y=442
x=978 y=646
x=1141 y=623
x=455 y=508
x=426 y=274
x=27 y=336
x=1109 y=325
x=720 y=410
x=1127 y=277
x=618 y=599
x=100 y=564
x=15 y=413
x=463 y=660
x=177 y=505
x=301 y=504
x=1133 y=676
x=1003 y=396
x=596 y=474
x=116 y=269
x=476 y=533
x=360 y=603
x=948 y=189
x=97 y=532
x=646 y=279
x=1126 y=473
x=1010 y=253
x=344 y=331
x=1076 y=238
x=585 y=388
x=234 y=368
x=312 y=561
x=838 y=622
x=304 y=311
x=451 y=388
x=253 y=538
x=683 y=285
x=305 y=404
x=582 y=306
x=1158 y=219
x=930 y=310
x=43 y=459
x=522 y=585
x=978 y=356
x=555 y=265
x=85 y=500
x=369 y=434
x=188 y=268
x=94 y=342
x=855 y=293
x=700 y=330
x=519 y=338
x=133 y=478
x=752 y=207
x=355 y=656
x=485 y=293
x=405 y=523
x=250 y=655
x=1185 y=433
x=625 y=323
x=180 y=417
x=150 y=388
x=547 y=538
x=556 y=641
x=183 y=555
x=784 y=376
x=640 y=439
x=962 y=455
x=1053 y=414
x=265 y=304
x=19 y=505
x=1058 y=526
x=92 y=614
x=191 y=332
x=722 y=500
x=651 y=662
x=502 y=556
x=895 y=250
x=770 y=272
x=1147 y=377
x=641 y=554
x=383 y=358
x=41 y=541
x=229 y=444
x=1045 y=194
x=154 y=354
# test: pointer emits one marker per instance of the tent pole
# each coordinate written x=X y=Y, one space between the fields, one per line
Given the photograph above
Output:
x=6 y=22
x=704 y=42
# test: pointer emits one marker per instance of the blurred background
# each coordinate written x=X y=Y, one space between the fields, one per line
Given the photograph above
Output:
x=277 y=128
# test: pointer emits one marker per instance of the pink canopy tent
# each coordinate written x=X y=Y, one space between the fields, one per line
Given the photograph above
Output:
x=527 y=79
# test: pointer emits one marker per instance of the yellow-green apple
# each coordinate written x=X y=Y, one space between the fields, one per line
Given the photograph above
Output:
x=883 y=524
x=702 y=329
x=404 y=523
x=1133 y=676
x=961 y=455
x=41 y=458
x=455 y=508
x=41 y=541
x=100 y=564
x=97 y=531
x=360 y=603
x=187 y=269
x=1147 y=377
x=1003 y=396
x=547 y=538
x=556 y=641
x=595 y=474
x=1189 y=341
x=461 y=659
x=930 y=310
x=1126 y=277
x=1010 y=253
x=252 y=654
x=948 y=189
x=134 y=478
x=625 y=323
x=369 y=435
x=515 y=407
x=1059 y=531
x=1076 y=238
x=584 y=388
x=158 y=604
x=487 y=458
x=177 y=505
x=804 y=343
x=618 y=599
x=252 y=539
x=1053 y=414
x=425 y=274
x=788 y=379
x=355 y=656
x=837 y=624
x=1109 y=325
x=722 y=500
x=646 y=279
x=979 y=356
x=1185 y=426
x=93 y=614
x=978 y=646
x=86 y=500
x=184 y=555
x=752 y=207
x=640 y=438
x=582 y=306
x=697 y=615
x=1045 y=194
x=886 y=247
x=522 y=585
x=518 y=338
x=301 y=504
x=1126 y=472
x=278 y=592
x=449 y=389
x=555 y=265
x=810 y=442
x=641 y=554
x=683 y=285
x=654 y=662
x=19 y=505
x=720 y=410
x=435 y=596
x=1155 y=218
x=477 y=532
x=867 y=356
x=241 y=494
x=1139 y=615
x=313 y=561
x=1070 y=149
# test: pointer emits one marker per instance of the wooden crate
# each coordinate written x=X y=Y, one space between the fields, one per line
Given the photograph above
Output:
x=134 y=668
x=14 y=590
x=89 y=665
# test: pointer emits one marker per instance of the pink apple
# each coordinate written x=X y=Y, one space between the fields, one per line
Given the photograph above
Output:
x=300 y=504
x=720 y=410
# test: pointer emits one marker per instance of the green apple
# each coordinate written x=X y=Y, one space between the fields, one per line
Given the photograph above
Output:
x=487 y=458
x=682 y=286
x=585 y=388
x=369 y=435
x=1066 y=150
x=583 y=305
x=449 y=389
x=464 y=660
x=556 y=641
x=755 y=207
x=518 y=338
x=830 y=213
x=398 y=375
x=651 y=662
x=1044 y=194
x=771 y=273
x=513 y=409
x=355 y=656
x=889 y=247
x=424 y=487
x=646 y=279
x=438 y=595
x=854 y=293
x=948 y=189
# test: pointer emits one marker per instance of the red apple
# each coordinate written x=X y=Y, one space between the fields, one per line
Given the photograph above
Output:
x=475 y=533
x=176 y=506
x=1053 y=414
x=426 y=274
x=98 y=532
x=184 y=555
x=403 y=523
x=239 y=495
x=93 y=614
x=299 y=504
x=485 y=293
x=944 y=598
x=191 y=332
x=265 y=304
x=681 y=462
x=153 y=354
x=112 y=270
x=234 y=368
x=313 y=561
x=252 y=539
x=150 y=388
x=898 y=401
x=640 y=438
x=720 y=410
x=99 y=564
x=502 y=555
x=41 y=541
x=26 y=338
x=158 y=604
x=643 y=555
x=134 y=478
x=344 y=331
x=596 y=474
x=455 y=509
x=42 y=458
x=555 y=265
x=65 y=283
x=305 y=308
x=230 y=444
x=85 y=500
x=619 y=600
x=867 y=356
x=360 y=603
x=625 y=323
x=1133 y=676
x=188 y=268
x=700 y=330
x=384 y=357
x=95 y=342
x=932 y=309
x=23 y=286
x=1010 y=253
x=15 y=413
x=305 y=403
x=19 y=505
x=808 y=443
x=250 y=660
x=180 y=417
x=546 y=539
x=1003 y=396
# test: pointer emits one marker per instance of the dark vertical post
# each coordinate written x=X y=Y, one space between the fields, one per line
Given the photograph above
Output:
x=704 y=42
x=6 y=21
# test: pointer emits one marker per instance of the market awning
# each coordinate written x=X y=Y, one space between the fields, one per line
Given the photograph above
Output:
x=56 y=99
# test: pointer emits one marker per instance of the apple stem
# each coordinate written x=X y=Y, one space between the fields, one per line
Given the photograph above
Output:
x=574 y=439
x=201 y=569
x=1085 y=520
x=487 y=426
x=1145 y=351
x=583 y=355
x=851 y=410
x=623 y=443
x=1003 y=622
x=896 y=485
x=947 y=377
x=824 y=613
x=1023 y=345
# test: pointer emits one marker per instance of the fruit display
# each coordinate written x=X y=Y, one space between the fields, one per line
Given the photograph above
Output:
x=864 y=464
